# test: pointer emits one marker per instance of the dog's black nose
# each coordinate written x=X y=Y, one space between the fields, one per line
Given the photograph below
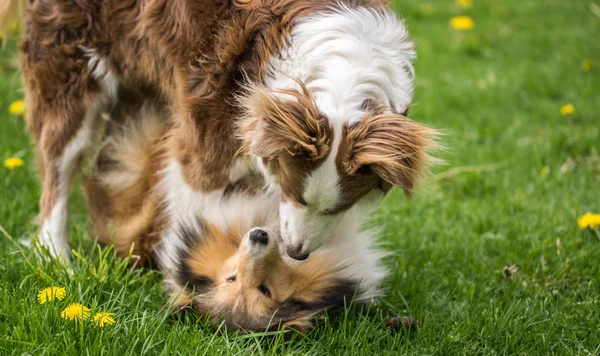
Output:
x=259 y=236
x=296 y=253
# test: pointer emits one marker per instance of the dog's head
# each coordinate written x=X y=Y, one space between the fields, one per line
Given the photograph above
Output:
x=329 y=122
x=248 y=285
x=324 y=166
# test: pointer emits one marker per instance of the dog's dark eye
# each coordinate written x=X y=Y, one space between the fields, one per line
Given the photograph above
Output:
x=264 y=290
x=230 y=279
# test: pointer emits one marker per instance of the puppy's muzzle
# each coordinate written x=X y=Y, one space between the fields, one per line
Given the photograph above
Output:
x=259 y=237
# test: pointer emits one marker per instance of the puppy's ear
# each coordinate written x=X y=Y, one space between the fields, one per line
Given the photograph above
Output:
x=394 y=147
x=283 y=121
x=183 y=288
x=317 y=294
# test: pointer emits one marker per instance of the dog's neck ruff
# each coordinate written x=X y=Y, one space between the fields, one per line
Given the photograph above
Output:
x=346 y=57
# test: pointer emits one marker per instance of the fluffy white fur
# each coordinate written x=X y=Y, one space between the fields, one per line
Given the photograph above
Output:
x=182 y=207
x=357 y=253
x=53 y=234
x=347 y=57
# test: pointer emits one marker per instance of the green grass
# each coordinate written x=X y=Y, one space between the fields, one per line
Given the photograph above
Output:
x=496 y=91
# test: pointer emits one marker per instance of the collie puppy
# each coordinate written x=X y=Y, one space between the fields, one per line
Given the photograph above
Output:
x=231 y=265
x=310 y=94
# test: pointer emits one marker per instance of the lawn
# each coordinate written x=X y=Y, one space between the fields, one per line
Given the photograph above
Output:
x=518 y=175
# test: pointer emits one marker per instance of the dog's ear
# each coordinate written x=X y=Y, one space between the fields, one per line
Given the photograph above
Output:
x=316 y=296
x=394 y=147
x=283 y=121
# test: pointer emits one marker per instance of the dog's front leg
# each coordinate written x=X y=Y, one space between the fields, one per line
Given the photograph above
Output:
x=63 y=133
x=58 y=168
x=66 y=87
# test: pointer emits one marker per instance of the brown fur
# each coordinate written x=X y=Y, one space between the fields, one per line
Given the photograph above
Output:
x=297 y=292
x=193 y=56
x=293 y=125
x=196 y=59
x=388 y=144
x=122 y=202
x=291 y=135
x=58 y=86
x=216 y=248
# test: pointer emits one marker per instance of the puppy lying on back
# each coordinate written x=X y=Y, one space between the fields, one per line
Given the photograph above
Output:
x=232 y=267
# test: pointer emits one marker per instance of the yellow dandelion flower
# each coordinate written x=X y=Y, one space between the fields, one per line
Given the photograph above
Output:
x=589 y=220
x=462 y=23
x=50 y=293
x=13 y=162
x=103 y=318
x=567 y=109
x=427 y=8
x=17 y=107
x=465 y=4
x=586 y=65
x=76 y=312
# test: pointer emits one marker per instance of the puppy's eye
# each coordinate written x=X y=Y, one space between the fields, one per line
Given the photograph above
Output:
x=264 y=290
x=230 y=279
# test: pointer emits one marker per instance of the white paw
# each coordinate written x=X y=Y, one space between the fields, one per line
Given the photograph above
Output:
x=55 y=240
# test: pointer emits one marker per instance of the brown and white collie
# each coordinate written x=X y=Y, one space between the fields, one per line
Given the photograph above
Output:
x=312 y=95
x=230 y=265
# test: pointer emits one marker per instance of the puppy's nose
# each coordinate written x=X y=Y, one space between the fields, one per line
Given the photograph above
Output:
x=259 y=236
x=296 y=253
